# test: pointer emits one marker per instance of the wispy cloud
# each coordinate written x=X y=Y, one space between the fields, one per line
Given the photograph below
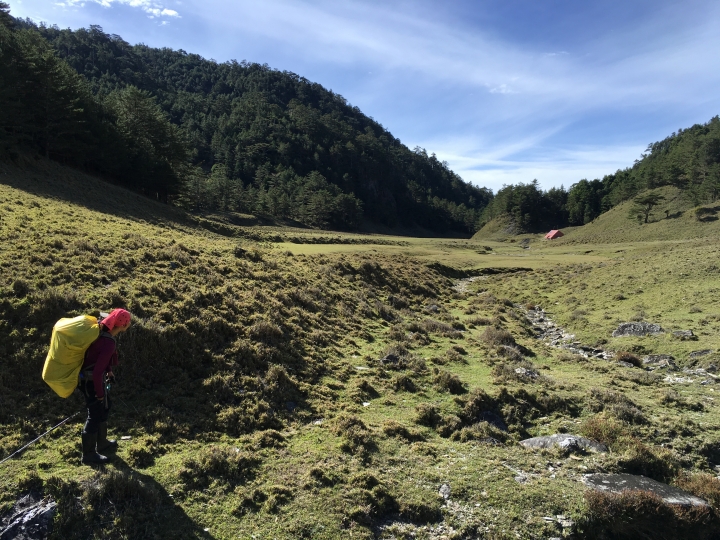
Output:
x=153 y=9
x=497 y=103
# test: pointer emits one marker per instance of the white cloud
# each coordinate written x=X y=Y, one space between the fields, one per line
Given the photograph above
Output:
x=152 y=8
x=550 y=166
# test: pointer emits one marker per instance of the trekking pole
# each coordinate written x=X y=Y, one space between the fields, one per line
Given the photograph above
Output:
x=40 y=437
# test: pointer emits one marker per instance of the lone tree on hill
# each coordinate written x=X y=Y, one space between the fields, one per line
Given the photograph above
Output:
x=643 y=206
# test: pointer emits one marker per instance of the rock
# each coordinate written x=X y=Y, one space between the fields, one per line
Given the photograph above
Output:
x=617 y=483
x=433 y=308
x=444 y=491
x=655 y=361
x=525 y=372
x=491 y=441
x=697 y=354
x=390 y=359
x=624 y=364
x=675 y=380
x=637 y=329
x=30 y=519
x=493 y=419
x=566 y=442
x=684 y=335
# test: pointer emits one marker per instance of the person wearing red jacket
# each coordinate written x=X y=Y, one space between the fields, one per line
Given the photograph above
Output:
x=100 y=358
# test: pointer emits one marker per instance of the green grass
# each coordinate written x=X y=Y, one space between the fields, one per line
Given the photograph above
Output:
x=236 y=324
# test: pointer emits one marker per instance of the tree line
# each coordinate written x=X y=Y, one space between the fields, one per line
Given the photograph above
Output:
x=215 y=136
x=240 y=136
x=688 y=159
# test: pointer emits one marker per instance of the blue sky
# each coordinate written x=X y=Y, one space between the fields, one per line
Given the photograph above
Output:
x=505 y=90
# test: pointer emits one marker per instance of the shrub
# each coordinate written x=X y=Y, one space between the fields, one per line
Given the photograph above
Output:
x=643 y=515
x=704 y=485
x=482 y=432
x=601 y=428
x=448 y=382
x=478 y=321
x=265 y=331
x=391 y=428
x=427 y=414
x=403 y=383
x=220 y=464
x=630 y=358
x=270 y=438
x=616 y=404
x=363 y=391
x=20 y=288
x=432 y=326
x=453 y=355
x=357 y=438
x=495 y=337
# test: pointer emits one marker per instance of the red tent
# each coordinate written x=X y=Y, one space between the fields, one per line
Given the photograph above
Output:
x=554 y=234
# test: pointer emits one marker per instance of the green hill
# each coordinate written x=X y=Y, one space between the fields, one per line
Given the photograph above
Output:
x=217 y=136
x=675 y=218
x=292 y=384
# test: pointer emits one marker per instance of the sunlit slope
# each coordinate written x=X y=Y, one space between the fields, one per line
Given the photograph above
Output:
x=289 y=383
x=675 y=218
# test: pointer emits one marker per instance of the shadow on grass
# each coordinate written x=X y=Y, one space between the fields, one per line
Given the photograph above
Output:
x=48 y=179
x=119 y=502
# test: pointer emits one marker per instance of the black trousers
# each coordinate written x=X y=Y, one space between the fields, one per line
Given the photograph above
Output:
x=97 y=410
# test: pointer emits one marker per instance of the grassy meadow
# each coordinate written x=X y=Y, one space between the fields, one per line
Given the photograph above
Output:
x=289 y=383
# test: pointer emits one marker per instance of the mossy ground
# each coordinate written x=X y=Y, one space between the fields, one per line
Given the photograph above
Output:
x=255 y=392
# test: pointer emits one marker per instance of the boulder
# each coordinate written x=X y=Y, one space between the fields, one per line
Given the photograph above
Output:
x=30 y=519
x=637 y=329
x=617 y=483
x=684 y=335
x=697 y=354
x=527 y=373
x=655 y=361
x=565 y=441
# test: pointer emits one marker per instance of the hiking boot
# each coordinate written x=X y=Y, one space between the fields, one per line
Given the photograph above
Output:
x=103 y=443
x=90 y=455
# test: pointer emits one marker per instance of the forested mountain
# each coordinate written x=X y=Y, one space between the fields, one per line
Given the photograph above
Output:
x=688 y=159
x=218 y=136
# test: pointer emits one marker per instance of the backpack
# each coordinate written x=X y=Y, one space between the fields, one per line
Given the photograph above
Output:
x=68 y=344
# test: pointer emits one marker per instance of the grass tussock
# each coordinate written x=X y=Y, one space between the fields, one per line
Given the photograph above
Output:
x=616 y=404
x=643 y=515
x=356 y=438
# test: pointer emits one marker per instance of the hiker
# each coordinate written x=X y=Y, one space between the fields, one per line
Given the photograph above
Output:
x=96 y=372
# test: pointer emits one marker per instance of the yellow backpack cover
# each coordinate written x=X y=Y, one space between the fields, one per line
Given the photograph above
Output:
x=70 y=339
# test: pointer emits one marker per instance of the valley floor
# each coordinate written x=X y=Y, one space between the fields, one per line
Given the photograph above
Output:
x=285 y=383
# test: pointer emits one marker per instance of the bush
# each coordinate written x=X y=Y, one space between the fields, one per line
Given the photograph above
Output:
x=495 y=337
x=630 y=358
x=391 y=428
x=482 y=432
x=642 y=515
x=448 y=382
x=357 y=438
x=606 y=430
x=220 y=464
x=703 y=485
x=616 y=404
x=403 y=383
x=427 y=414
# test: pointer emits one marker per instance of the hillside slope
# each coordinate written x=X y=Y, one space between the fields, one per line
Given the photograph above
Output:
x=675 y=218
x=276 y=389
x=282 y=143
